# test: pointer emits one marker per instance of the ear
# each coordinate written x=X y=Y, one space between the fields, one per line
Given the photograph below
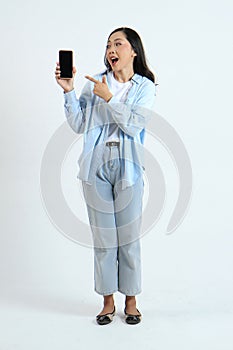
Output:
x=134 y=54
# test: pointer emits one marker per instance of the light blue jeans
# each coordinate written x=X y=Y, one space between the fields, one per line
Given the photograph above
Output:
x=115 y=220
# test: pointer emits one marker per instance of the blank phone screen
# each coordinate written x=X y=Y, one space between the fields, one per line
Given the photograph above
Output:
x=66 y=63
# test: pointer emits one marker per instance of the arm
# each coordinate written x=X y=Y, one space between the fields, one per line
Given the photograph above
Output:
x=77 y=111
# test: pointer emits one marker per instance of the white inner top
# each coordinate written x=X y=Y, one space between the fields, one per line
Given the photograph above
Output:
x=120 y=92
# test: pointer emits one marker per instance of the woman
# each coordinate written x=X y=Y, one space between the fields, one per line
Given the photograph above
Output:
x=112 y=112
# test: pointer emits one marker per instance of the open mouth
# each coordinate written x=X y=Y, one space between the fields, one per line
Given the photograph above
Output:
x=114 y=61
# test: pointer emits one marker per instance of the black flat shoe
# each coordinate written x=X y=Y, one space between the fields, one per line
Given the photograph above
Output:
x=105 y=319
x=132 y=319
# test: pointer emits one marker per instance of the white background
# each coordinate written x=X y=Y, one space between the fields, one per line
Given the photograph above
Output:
x=47 y=298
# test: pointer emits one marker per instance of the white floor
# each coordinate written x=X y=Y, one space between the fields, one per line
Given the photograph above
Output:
x=35 y=320
x=187 y=294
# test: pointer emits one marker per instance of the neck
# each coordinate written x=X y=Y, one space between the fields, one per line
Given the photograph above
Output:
x=124 y=75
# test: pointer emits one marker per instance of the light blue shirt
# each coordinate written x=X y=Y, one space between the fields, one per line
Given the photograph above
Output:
x=91 y=116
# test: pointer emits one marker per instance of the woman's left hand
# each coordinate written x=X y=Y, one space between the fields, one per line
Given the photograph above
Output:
x=101 y=88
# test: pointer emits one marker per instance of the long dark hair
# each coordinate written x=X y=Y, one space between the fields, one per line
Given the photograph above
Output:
x=139 y=63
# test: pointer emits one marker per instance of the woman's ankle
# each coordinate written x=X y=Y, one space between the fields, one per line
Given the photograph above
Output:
x=130 y=299
x=108 y=300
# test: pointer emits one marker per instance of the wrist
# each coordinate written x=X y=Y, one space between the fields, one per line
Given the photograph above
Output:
x=108 y=98
x=67 y=90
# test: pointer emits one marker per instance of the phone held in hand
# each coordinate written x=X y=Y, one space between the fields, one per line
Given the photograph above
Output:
x=66 y=64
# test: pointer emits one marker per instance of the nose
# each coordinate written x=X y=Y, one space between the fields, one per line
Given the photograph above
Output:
x=111 y=50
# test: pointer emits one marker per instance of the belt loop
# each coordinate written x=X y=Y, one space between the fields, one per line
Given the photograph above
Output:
x=110 y=156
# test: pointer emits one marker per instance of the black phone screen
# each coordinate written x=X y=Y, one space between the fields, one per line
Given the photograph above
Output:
x=66 y=63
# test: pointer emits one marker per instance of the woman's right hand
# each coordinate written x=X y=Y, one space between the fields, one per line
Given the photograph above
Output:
x=66 y=84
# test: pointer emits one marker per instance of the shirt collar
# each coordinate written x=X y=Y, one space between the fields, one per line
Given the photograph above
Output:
x=136 y=78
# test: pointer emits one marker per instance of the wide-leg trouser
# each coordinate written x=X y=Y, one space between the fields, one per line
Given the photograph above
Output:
x=115 y=220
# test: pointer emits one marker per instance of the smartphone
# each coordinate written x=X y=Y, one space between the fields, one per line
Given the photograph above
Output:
x=66 y=64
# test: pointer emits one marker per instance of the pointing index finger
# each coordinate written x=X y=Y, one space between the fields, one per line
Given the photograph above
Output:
x=91 y=79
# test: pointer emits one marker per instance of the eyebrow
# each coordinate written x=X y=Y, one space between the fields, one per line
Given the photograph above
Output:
x=116 y=39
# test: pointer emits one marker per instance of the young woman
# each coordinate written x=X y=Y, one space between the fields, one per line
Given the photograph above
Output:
x=112 y=112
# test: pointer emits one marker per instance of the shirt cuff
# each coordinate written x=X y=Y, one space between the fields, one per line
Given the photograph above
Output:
x=70 y=96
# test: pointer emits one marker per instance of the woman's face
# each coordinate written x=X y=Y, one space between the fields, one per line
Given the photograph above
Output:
x=119 y=52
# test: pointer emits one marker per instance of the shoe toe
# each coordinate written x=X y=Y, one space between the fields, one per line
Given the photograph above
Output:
x=105 y=319
x=133 y=319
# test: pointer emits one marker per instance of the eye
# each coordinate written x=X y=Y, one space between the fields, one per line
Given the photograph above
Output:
x=118 y=44
x=107 y=46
